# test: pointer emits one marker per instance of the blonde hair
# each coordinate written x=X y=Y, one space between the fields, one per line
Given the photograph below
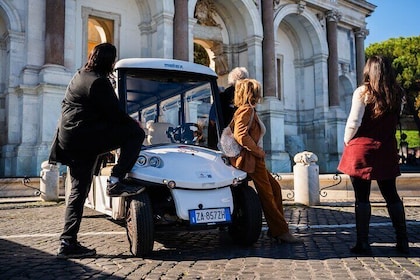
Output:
x=236 y=74
x=247 y=91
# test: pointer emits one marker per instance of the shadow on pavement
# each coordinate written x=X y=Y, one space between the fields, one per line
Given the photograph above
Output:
x=22 y=262
x=327 y=234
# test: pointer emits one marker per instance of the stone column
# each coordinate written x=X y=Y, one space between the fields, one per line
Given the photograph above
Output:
x=360 y=36
x=269 y=66
x=54 y=31
x=332 y=18
x=180 y=38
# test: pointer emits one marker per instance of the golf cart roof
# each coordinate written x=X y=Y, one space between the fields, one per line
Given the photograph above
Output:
x=164 y=64
x=143 y=82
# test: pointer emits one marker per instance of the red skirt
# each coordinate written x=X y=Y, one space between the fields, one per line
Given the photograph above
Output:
x=369 y=159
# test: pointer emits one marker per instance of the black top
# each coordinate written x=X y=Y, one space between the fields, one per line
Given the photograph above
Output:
x=226 y=100
x=89 y=106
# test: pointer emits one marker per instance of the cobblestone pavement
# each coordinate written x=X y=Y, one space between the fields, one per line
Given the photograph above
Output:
x=29 y=233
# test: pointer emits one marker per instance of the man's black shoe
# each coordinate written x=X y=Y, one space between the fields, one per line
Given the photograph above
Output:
x=119 y=189
x=74 y=250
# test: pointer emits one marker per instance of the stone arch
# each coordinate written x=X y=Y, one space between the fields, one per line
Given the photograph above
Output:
x=211 y=36
x=235 y=41
x=301 y=68
x=144 y=10
x=155 y=19
x=245 y=14
x=11 y=38
x=12 y=17
x=311 y=24
x=208 y=47
x=301 y=50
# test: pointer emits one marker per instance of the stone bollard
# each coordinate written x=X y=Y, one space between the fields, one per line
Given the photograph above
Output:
x=306 y=178
x=49 y=182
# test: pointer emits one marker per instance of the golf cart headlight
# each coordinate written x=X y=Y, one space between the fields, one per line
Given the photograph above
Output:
x=142 y=160
x=170 y=184
x=155 y=162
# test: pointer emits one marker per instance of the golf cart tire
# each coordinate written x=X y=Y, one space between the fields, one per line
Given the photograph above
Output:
x=139 y=224
x=246 y=217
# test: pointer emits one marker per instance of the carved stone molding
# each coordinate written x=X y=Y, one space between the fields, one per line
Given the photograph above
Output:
x=333 y=15
x=220 y=59
x=204 y=12
x=276 y=4
x=345 y=68
x=301 y=5
x=305 y=158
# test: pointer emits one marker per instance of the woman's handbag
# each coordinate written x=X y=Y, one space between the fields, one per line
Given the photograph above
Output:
x=227 y=144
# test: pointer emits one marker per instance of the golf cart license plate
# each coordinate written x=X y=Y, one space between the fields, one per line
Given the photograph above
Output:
x=205 y=216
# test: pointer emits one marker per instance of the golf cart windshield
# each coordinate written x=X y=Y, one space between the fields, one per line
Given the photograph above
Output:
x=172 y=99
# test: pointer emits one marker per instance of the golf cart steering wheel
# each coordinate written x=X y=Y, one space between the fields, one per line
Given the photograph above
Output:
x=183 y=133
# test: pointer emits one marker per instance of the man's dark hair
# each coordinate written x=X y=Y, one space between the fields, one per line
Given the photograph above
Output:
x=101 y=59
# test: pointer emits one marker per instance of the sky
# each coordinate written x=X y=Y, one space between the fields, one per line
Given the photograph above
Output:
x=393 y=19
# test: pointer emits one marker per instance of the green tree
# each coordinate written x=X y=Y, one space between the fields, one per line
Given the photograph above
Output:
x=200 y=55
x=405 y=56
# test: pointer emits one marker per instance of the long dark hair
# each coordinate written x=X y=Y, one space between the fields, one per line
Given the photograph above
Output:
x=101 y=59
x=382 y=88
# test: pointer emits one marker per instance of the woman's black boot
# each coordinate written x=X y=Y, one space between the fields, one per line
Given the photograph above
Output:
x=362 y=213
x=397 y=215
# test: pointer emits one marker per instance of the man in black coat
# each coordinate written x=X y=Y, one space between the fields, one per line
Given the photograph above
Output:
x=92 y=124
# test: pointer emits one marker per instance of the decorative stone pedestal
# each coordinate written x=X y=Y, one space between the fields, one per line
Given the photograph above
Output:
x=306 y=179
x=48 y=184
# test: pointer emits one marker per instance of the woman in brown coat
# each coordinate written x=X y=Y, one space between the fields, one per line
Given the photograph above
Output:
x=249 y=130
x=370 y=151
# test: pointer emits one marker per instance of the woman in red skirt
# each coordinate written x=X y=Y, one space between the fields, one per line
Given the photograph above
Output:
x=370 y=150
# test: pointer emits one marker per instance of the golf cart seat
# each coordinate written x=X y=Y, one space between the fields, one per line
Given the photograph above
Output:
x=157 y=133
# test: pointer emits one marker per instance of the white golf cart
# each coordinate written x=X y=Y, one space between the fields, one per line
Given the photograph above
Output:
x=187 y=185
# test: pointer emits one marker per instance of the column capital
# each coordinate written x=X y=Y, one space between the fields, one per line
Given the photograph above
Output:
x=361 y=32
x=333 y=15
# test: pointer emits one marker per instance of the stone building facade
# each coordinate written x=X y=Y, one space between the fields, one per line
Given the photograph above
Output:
x=308 y=54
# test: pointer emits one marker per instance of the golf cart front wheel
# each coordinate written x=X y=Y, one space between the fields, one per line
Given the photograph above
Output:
x=139 y=224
